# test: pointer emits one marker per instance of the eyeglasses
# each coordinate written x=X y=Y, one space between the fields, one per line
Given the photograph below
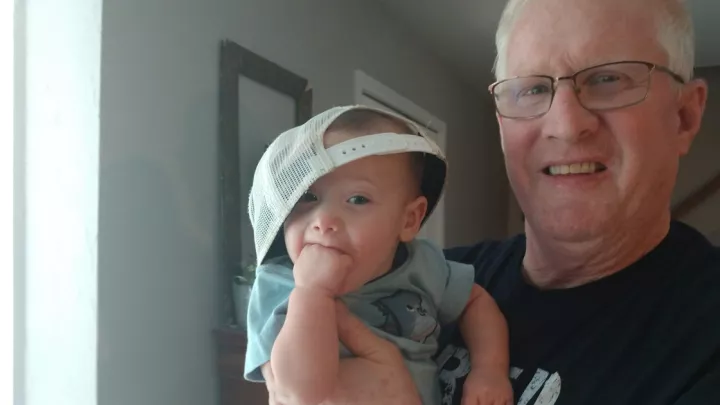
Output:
x=603 y=87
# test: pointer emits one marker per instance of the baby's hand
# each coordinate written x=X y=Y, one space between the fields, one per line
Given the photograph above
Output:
x=321 y=268
x=485 y=388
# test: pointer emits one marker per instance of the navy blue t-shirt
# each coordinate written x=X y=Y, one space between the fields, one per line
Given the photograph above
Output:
x=649 y=334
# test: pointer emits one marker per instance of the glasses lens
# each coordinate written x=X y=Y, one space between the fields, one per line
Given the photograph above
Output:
x=613 y=86
x=523 y=97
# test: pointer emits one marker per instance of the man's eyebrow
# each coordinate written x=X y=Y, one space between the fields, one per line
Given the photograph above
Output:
x=575 y=67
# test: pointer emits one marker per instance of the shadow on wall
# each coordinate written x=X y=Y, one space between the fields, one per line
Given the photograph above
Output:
x=156 y=292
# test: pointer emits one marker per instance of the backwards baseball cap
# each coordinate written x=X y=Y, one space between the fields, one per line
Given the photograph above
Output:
x=297 y=158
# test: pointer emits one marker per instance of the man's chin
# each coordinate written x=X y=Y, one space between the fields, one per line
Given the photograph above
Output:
x=570 y=225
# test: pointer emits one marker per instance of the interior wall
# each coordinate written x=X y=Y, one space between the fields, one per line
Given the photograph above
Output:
x=703 y=161
x=159 y=282
x=58 y=88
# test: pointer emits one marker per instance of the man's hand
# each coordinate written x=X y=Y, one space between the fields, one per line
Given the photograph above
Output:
x=377 y=376
x=321 y=268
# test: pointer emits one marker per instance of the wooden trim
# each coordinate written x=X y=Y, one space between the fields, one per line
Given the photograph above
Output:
x=369 y=89
x=697 y=198
x=231 y=345
x=236 y=61
x=230 y=362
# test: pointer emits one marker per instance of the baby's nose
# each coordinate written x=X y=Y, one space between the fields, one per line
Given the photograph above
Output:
x=326 y=221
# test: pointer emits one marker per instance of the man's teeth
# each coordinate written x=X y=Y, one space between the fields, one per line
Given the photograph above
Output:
x=575 y=168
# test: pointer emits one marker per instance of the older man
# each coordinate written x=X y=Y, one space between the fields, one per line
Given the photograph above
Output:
x=607 y=300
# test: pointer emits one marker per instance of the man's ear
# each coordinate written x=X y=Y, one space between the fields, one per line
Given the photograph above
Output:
x=692 y=106
x=414 y=214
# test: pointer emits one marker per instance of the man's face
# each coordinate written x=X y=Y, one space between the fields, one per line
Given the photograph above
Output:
x=639 y=146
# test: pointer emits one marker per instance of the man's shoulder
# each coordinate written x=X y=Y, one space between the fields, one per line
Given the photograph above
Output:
x=489 y=256
x=692 y=267
x=713 y=262
x=710 y=270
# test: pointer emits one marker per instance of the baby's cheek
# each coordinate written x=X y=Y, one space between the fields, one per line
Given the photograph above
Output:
x=293 y=242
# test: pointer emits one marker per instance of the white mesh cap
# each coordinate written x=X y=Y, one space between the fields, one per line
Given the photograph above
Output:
x=297 y=158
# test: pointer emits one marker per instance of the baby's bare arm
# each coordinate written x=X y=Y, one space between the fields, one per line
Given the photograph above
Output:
x=305 y=355
x=485 y=333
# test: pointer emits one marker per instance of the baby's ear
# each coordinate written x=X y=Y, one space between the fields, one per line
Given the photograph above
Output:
x=414 y=214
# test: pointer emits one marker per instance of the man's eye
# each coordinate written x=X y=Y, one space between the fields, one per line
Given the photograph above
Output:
x=537 y=90
x=603 y=79
x=358 y=200
x=307 y=197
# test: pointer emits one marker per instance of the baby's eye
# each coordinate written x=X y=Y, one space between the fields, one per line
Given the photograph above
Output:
x=307 y=197
x=358 y=200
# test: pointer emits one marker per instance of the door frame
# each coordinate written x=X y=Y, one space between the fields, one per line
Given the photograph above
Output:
x=366 y=86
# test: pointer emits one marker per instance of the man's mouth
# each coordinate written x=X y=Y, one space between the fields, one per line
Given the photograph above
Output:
x=574 y=168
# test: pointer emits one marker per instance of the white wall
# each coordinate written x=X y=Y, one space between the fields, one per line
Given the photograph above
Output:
x=19 y=202
x=159 y=278
x=58 y=98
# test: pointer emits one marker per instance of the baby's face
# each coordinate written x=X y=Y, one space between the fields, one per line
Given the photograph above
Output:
x=363 y=209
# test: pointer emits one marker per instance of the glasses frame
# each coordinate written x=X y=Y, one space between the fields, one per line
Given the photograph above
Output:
x=652 y=67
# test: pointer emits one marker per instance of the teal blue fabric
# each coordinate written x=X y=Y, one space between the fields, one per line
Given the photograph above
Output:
x=406 y=306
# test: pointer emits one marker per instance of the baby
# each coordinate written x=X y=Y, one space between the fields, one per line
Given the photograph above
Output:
x=335 y=205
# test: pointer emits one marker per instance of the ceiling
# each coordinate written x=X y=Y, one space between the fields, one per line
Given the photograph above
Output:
x=462 y=32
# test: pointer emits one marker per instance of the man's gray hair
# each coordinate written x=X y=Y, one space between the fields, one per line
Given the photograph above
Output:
x=672 y=20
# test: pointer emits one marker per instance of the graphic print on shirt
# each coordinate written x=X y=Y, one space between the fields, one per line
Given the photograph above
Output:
x=405 y=315
x=454 y=365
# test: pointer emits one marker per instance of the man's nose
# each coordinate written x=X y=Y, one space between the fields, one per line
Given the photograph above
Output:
x=567 y=119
